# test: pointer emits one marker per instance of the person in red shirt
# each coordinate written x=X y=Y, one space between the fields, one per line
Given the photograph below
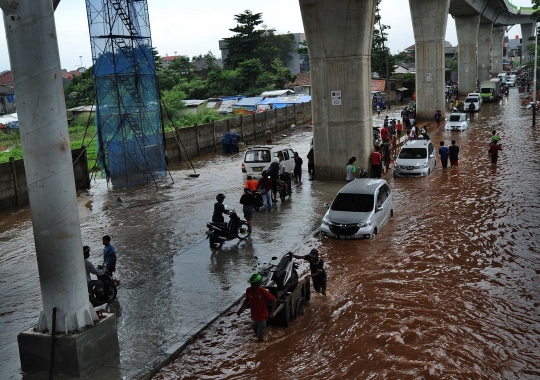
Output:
x=256 y=297
x=375 y=159
x=399 y=128
x=384 y=133
x=494 y=151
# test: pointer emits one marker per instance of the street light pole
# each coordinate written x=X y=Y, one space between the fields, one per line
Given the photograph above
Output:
x=80 y=56
x=534 y=82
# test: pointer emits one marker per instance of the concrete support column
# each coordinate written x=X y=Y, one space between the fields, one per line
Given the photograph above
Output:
x=484 y=51
x=467 y=34
x=527 y=31
x=339 y=41
x=497 y=36
x=429 y=25
x=37 y=77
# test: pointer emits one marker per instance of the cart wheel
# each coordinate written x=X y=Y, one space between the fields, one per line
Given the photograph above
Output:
x=306 y=293
x=284 y=317
x=300 y=307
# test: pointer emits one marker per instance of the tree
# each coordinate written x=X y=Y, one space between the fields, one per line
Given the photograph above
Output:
x=273 y=46
x=183 y=67
x=80 y=90
x=242 y=45
x=382 y=62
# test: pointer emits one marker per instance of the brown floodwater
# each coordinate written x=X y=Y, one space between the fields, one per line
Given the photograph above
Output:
x=448 y=289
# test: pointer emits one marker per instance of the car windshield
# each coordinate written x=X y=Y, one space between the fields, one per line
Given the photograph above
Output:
x=469 y=100
x=455 y=117
x=486 y=90
x=257 y=156
x=413 y=153
x=353 y=202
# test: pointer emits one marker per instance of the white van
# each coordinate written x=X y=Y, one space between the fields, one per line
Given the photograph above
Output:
x=259 y=158
x=416 y=159
x=476 y=94
x=359 y=210
x=472 y=99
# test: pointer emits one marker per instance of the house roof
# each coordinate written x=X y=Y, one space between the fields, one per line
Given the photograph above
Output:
x=249 y=101
x=302 y=79
x=378 y=84
x=6 y=78
x=277 y=92
x=170 y=57
x=193 y=102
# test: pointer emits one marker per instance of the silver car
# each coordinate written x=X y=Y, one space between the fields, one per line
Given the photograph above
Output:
x=457 y=122
x=359 y=210
x=416 y=159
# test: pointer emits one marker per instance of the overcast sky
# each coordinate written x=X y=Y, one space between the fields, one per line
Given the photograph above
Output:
x=194 y=27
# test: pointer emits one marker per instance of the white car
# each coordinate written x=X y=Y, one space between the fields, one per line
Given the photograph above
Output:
x=416 y=159
x=457 y=122
x=359 y=210
x=258 y=158
x=511 y=82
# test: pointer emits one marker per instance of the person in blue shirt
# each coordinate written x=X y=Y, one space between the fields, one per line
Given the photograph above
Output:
x=444 y=153
x=109 y=254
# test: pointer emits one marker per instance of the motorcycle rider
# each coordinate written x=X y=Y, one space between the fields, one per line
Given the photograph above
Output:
x=219 y=209
x=316 y=266
x=90 y=268
x=256 y=297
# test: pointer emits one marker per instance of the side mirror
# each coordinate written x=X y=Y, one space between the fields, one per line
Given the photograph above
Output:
x=327 y=205
x=380 y=208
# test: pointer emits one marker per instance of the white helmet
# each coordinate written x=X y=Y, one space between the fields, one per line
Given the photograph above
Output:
x=275 y=160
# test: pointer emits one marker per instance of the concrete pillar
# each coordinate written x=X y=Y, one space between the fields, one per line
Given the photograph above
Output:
x=484 y=51
x=467 y=34
x=527 y=31
x=339 y=42
x=37 y=77
x=429 y=25
x=497 y=36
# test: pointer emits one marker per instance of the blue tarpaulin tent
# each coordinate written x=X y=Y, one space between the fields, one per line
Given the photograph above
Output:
x=285 y=101
x=249 y=104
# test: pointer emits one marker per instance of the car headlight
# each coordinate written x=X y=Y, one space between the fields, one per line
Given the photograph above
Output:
x=421 y=166
x=364 y=224
x=326 y=221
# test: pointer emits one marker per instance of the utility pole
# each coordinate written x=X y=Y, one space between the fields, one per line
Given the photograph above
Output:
x=534 y=81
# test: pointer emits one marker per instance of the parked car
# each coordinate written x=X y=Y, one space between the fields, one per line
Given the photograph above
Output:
x=359 y=210
x=416 y=159
x=457 y=122
x=472 y=99
x=511 y=81
x=259 y=158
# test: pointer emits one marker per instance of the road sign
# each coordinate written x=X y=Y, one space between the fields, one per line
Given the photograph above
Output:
x=335 y=97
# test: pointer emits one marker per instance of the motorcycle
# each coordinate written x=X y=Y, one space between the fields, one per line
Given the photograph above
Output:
x=219 y=233
x=280 y=279
x=106 y=293
x=284 y=186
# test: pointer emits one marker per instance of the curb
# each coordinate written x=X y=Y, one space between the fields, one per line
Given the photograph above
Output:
x=167 y=358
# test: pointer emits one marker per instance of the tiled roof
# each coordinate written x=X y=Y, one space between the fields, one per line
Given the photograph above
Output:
x=302 y=79
x=170 y=57
x=6 y=78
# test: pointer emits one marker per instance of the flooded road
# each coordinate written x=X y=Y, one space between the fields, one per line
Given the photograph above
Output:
x=449 y=288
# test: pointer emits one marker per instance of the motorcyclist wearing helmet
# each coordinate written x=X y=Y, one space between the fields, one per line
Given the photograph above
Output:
x=219 y=209
x=256 y=297
x=91 y=269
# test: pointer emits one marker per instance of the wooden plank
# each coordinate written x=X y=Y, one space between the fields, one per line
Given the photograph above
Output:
x=15 y=182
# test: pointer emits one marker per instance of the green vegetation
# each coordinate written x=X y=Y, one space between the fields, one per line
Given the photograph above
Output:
x=382 y=61
x=409 y=80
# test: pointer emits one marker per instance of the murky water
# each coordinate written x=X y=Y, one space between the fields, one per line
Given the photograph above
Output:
x=448 y=289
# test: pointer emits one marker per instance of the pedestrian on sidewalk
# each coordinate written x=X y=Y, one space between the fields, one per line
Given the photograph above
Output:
x=269 y=136
x=311 y=165
x=438 y=118
x=494 y=149
x=454 y=152
x=443 y=153
x=264 y=187
x=256 y=298
x=399 y=128
x=248 y=202
x=297 y=168
x=316 y=267
x=375 y=159
x=378 y=110
x=350 y=169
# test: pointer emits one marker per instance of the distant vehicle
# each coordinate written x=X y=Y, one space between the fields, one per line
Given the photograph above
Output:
x=475 y=94
x=472 y=99
x=359 y=210
x=258 y=158
x=502 y=77
x=457 y=122
x=416 y=159
x=511 y=82
x=378 y=101
x=490 y=89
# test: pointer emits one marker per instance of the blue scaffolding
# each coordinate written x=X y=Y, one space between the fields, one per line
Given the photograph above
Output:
x=128 y=117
